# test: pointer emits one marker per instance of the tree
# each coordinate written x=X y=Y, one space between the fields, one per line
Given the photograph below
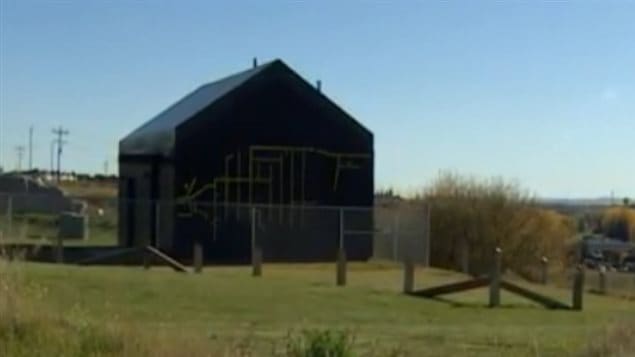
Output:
x=619 y=223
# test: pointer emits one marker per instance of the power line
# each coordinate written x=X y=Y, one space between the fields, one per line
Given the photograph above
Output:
x=59 y=132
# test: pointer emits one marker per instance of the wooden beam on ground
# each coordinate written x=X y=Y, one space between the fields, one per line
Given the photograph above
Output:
x=533 y=296
x=166 y=259
x=452 y=288
x=102 y=258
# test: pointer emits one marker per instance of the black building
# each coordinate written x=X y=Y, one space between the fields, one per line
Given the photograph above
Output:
x=261 y=138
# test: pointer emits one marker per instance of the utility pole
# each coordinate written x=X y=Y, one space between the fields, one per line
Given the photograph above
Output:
x=52 y=167
x=106 y=168
x=59 y=132
x=31 y=148
x=20 y=152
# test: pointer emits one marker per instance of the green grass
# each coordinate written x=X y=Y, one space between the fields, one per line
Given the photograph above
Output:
x=225 y=306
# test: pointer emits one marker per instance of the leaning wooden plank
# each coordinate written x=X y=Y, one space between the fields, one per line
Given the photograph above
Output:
x=105 y=257
x=167 y=259
x=452 y=288
x=531 y=295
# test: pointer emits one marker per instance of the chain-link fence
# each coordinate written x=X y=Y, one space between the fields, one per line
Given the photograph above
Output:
x=598 y=280
x=43 y=218
x=283 y=232
x=224 y=232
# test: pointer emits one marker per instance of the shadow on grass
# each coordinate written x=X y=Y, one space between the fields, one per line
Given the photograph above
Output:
x=477 y=305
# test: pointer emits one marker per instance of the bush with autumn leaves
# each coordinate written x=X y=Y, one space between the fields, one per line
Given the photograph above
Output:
x=470 y=217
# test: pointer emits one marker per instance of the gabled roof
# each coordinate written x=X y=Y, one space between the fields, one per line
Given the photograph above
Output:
x=157 y=136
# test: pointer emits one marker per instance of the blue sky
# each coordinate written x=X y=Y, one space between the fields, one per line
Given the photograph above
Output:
x=539 y=92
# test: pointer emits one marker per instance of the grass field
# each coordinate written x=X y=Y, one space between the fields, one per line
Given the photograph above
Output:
x=225 y=311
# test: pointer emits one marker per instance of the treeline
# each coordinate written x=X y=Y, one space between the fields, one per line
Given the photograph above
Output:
x=470 y=217
x=70 y=174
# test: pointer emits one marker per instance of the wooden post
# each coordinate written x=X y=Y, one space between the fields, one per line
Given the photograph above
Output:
x=256 y=262
x=341 y=253
x=408 y=275
x=157 y=226
x=256 y=251
x=198 y=255
x=395 y=239
x=146 y=258
x=578 y=288
x=59 y=249
x=341 y=267
x=494 y=285
x=602 y=280
x=9 y=216
x=544 y=265
x=426 y=262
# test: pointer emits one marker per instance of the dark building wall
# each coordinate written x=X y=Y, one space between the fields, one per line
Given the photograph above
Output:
x=146 y=207
x=134 y=205
x=165 y=206
x=273 y=111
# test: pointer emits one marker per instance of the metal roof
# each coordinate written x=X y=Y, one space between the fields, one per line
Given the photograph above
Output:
x=156 y=137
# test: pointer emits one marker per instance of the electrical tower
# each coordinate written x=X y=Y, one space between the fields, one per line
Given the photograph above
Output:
x=60 y=133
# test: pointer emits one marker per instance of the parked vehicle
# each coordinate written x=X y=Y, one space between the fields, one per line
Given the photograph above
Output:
x=628 y=264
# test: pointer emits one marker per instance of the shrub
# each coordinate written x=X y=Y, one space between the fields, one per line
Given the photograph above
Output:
x=619 y=223
x=471 y=217
x=320 y=343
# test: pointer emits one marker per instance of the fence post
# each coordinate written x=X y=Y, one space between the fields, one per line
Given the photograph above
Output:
x=408 y=275
x=578 y=288
x=494 y=285
x=544 y=265
x=9 y=216
x=427 y=234
x=198 y=255
x=59 y=248
x=395 y=238
x=341 y=252
x=147 y=257
x=157 y=225
x=256 y=251
x=602 y=280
